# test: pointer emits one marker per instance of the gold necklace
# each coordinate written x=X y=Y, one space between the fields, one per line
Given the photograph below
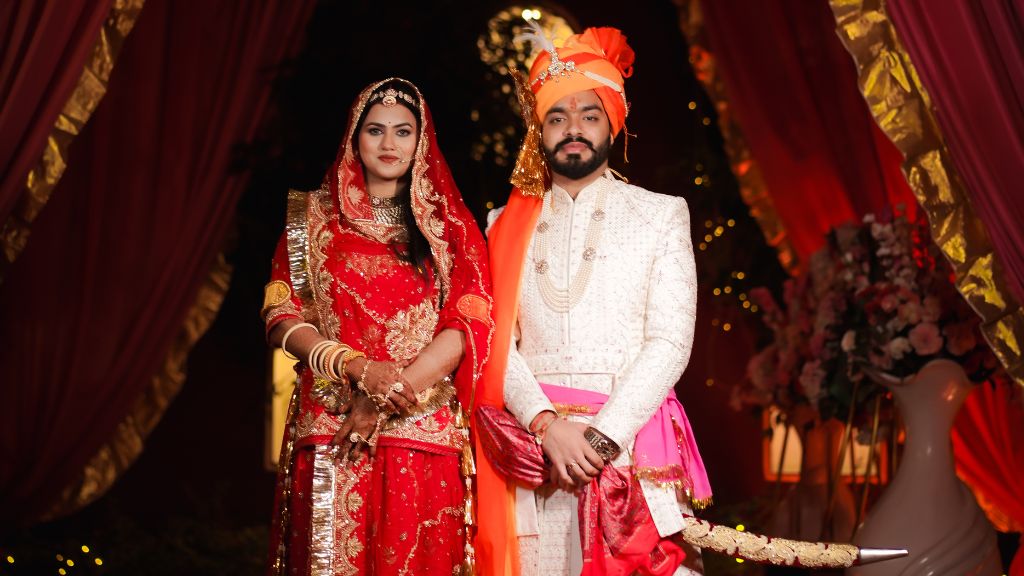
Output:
x=387 y=210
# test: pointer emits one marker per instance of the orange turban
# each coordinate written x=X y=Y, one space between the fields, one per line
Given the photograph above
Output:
x=598 y=59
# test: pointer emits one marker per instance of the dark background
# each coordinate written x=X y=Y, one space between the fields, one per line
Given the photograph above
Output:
x=199 y=499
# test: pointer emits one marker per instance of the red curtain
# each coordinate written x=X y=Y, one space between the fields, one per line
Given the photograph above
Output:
x=970 y=58
x=43 y=48
x=115 y=261
x=990 y=457
x=794 y=90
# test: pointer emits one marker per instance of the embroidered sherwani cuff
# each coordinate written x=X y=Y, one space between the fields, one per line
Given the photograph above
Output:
x=523 y=395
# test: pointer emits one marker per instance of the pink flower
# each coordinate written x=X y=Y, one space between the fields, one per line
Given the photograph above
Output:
x=849 y=341
x=910 y=312
x=763 y=298
x=925 y=339
x=890 y=302
x=895 y=324
x=960 y=338
x=932 y=309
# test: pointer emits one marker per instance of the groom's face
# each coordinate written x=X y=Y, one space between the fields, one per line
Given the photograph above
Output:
x=577 y=135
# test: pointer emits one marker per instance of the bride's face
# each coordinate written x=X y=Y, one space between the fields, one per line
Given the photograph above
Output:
x=387 y=142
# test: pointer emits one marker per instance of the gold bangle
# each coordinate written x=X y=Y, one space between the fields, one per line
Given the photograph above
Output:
x=350 y=355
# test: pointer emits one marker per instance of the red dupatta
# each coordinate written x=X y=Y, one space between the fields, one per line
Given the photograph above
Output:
x=456 y=245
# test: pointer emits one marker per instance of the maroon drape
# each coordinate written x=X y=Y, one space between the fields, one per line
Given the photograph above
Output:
x=793 y=88
x=970 y=58
x=43 y=48
x=989 y=455
x=90 y=308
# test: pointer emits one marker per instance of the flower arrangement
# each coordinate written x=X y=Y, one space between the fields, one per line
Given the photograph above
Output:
x=878 y=297
x=793 y=368
x=905 y=310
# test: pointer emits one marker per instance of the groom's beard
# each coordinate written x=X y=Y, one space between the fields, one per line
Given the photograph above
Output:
x=574 y=167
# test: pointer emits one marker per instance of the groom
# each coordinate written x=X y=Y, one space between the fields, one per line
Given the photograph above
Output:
x=595 y=303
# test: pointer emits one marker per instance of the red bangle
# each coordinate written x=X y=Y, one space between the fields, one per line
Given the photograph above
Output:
x=538 y=434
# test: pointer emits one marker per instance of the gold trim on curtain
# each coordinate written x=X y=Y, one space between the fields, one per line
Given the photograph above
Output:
x=113 y=458
x=753 y=189
x=903 y=110
x=92 y=86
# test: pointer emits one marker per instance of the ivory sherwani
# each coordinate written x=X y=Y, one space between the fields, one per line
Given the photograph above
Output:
x=629 y=336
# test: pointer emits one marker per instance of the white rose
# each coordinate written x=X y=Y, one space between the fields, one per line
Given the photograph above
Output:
x=897 y=347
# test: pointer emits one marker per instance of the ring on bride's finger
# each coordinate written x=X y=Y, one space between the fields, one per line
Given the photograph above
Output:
x=356 y=438
x=397 y=387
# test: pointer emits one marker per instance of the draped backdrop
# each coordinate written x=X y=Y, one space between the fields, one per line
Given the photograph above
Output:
x=793 y=88
x=98 y=299
x=975 y=87
x=55 y=60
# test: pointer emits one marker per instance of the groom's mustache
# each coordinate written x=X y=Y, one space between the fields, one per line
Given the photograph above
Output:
x=573 y=139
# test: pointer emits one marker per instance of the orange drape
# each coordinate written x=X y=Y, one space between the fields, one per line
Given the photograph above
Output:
x=496 y=546
x=990 y=457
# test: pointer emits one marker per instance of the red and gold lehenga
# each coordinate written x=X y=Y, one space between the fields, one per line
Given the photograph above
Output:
x=405 y=510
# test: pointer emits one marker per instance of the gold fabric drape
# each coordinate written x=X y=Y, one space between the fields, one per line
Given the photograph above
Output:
x=903 y=110
x=113 y=458
x=753 y=189
x=91 y=87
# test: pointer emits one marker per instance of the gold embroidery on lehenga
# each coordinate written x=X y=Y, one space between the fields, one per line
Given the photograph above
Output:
x=322 y=515
x=410 y=330
x=373 y=336
x=347 y=504
x=437 y=428
x=355 y=502
x=322 y=425
x=455 y=511
x=373 y=265
x=320 y=216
